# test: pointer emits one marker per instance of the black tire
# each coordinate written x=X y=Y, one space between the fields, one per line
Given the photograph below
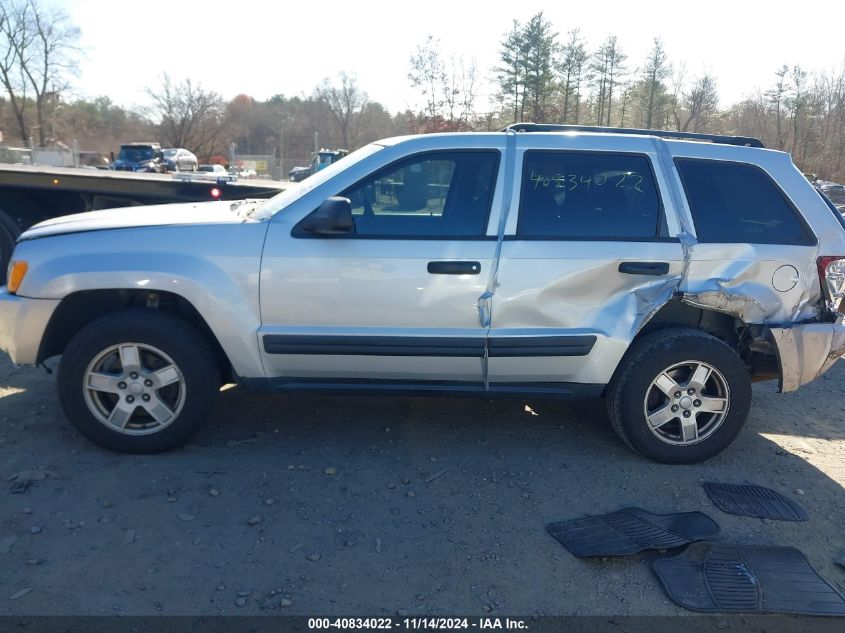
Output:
x=647 y=359
x=9 y=232
x=187 y=348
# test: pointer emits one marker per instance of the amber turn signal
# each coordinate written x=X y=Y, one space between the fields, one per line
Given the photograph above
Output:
x=16 y=273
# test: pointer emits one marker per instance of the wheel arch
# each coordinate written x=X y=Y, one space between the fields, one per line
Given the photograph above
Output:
x=750 y=341
x=80 y=308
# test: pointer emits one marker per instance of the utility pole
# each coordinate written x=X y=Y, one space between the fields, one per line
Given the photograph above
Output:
x=282 y=148
x=316 y=141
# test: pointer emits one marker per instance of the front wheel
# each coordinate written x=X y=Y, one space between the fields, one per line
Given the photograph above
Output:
x=137 y=381
x=680 y=396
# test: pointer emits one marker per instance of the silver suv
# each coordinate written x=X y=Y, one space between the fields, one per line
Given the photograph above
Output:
x=664 y=274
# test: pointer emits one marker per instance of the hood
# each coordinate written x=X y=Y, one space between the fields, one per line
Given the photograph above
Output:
x=215 y=212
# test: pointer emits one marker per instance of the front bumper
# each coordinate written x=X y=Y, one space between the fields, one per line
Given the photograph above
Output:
x=807 y=350
x=23 y=322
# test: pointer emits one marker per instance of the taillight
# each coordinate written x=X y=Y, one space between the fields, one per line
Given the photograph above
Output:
x=832 y=280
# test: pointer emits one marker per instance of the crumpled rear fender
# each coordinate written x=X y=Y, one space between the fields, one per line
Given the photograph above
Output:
x=806 y=350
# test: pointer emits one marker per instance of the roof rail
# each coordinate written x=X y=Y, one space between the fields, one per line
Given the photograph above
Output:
x=746 y=141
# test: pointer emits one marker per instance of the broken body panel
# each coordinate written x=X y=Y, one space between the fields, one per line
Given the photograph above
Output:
x=575 y=286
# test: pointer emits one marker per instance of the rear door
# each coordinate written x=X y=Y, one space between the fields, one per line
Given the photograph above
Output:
x=591 y=244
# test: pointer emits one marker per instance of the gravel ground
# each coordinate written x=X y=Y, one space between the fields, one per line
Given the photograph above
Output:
x=365 y=506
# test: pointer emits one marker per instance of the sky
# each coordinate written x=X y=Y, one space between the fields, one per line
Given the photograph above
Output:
x=262 y=48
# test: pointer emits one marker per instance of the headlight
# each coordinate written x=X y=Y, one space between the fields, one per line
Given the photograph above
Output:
x=15 y=275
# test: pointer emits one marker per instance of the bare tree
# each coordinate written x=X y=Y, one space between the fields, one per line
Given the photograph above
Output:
x=625 y=102
x=797 y=103
x=461 y=92
x=345 y=101
x=11 y=73
x=701 y=102
x=189 y=116
x=678 y=76
x=777 y=96
x=448 y=87
x=37 y=51
x=427 y=74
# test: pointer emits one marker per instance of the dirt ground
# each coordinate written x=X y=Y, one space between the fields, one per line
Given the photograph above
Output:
x=364 y=506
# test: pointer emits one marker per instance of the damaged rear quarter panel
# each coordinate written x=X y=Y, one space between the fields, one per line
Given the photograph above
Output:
x=737 y=279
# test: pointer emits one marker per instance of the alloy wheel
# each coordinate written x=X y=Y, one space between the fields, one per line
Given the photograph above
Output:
x=686 y=403
x=134 y=388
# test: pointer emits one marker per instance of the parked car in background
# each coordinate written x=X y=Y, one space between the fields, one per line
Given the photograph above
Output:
x=319 y=161
x=216 y=170
x=180 y=159
x=664 y=272
x=146 y=157
x=298 y=174
x=834 y=191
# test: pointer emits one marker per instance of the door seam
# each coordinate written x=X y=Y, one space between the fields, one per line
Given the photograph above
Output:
x=485 y=301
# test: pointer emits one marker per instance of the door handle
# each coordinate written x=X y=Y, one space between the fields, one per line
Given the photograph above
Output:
x=454 y=268
x=644 y=268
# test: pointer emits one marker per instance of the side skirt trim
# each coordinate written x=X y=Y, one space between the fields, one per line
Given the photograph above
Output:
x=465 y=347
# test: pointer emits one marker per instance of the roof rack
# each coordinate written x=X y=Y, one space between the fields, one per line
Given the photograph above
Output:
x=746 y=141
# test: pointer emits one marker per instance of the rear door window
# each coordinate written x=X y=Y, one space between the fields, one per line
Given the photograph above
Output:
x=588 y=196
x=739 y=203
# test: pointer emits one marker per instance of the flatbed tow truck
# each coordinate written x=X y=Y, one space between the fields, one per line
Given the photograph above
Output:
x=30 y=194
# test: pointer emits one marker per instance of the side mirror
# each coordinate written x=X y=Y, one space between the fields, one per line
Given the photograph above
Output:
x=332 y=218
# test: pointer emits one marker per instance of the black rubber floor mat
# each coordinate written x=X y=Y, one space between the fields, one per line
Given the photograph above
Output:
x=631 y=530
x=711 y=577
x=754 y=501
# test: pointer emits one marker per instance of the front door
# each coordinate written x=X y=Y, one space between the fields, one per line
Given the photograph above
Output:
x=395 y=302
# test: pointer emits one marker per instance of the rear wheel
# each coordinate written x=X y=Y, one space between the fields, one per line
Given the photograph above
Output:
x=680 y=396
x=137 y=381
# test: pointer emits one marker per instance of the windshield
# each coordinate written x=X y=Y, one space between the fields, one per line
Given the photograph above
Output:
x=170 y=153
x=135 y=154
x=296 y=191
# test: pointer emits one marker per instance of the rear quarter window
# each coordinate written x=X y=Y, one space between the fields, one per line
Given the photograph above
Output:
x=739 y=203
